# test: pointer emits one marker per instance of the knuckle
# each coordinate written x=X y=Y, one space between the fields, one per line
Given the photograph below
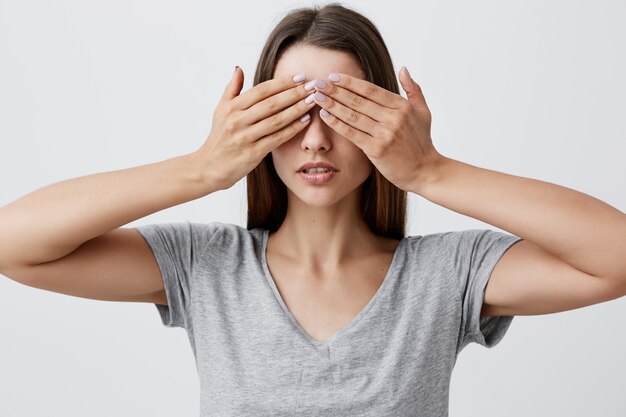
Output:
x=244 y=137
x=296 y=93
x=330 y=89
x=370 y=90
x=425 y=115
x=354 y=116
x=222 y=111
x=271 y=103
x=230 y=126
x=274 y=120
x=357 y=101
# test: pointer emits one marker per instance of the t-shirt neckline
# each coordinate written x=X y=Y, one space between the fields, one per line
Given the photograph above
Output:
x=337 y=335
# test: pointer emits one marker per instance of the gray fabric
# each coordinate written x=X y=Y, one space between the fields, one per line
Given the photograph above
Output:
x=394 y=359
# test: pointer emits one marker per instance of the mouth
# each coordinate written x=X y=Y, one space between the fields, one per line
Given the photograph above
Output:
x=316 y=170
x=317 y=167
x=317 y=176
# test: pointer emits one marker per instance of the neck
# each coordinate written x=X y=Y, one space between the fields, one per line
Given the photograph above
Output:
x=325 y=238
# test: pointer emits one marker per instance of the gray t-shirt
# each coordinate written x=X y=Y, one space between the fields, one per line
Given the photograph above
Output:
x=395 y=358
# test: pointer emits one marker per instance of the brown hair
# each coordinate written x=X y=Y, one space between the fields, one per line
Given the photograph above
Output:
x=333 y=27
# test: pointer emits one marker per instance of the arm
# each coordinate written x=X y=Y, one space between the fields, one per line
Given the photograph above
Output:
x=67 y=238
x=574 y=244
x=572 y=252
x=51 y=222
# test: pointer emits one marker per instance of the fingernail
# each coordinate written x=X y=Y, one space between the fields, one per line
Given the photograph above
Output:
x=298 y=78
x=235 y=71
x=324 y=113
x=320 y=83
x=406 y=71
x=319 y=96
x=305 y=117
x=334 y=77
x=309 y=99
x=310 y=85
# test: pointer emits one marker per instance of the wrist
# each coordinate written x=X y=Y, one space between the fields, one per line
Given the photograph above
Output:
x=198 y=168
x=430 y=173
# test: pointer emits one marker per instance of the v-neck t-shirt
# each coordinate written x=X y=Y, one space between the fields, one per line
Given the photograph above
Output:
x=395 y=358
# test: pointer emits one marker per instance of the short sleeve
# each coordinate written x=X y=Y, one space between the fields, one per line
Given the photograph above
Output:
x=474 y=255
x=177 y=248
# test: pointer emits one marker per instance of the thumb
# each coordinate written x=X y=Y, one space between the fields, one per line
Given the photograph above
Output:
x=412 y=89
x=235 y=85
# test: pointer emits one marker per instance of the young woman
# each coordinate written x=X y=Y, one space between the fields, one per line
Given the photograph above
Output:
x=322 y=306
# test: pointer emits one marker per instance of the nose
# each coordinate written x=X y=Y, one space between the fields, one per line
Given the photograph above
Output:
x=316 y=134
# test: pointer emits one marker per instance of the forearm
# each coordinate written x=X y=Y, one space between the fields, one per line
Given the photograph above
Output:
x=583 y=231
x=53 y=221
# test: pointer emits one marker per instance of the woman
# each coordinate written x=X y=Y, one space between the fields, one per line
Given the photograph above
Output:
x=322 y=305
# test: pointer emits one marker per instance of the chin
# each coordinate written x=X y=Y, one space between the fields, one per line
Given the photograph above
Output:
x=320 y=198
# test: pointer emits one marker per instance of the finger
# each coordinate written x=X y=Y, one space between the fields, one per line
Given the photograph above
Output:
x=367 y=89
x=274 y=104
x=355 y=101
x=359 y=138
x=233 y=88
x=265 y=89
x=277 y=121
x=268 y=143
x=349 y=116
x=413 y=90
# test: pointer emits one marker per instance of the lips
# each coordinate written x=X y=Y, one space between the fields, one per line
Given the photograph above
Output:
x=320 y=164
x=317 y=178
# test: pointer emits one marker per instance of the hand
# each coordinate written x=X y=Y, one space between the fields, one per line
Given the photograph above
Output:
x=393 y=132
x=247 y=127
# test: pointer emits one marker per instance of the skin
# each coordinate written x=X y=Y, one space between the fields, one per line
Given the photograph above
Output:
x=572 y=250
x=323 y=231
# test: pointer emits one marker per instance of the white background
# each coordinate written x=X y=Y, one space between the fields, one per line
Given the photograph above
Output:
x=531 y=88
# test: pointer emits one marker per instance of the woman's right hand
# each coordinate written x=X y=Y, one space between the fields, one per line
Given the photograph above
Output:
x=247 y=127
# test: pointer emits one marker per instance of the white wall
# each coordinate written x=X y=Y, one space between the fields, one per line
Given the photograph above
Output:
x=531 y=88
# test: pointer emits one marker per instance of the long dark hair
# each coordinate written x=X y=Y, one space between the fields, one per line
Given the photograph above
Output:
x=333 y=27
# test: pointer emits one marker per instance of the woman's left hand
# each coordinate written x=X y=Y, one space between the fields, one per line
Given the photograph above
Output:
x=394 y=132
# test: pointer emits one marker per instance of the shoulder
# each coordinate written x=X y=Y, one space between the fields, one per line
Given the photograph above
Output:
x=221 y=237
x=455 y=245
x=458 y=238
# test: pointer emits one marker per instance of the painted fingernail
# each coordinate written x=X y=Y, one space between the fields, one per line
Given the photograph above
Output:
x=310 y=85
x=334 y=77
x=320 y=83
x=324 y=113
x=319 y=96
x=298 y=78
x=305 y=117
x=309 y=99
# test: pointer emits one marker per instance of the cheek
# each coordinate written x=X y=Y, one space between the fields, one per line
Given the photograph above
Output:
x=280 y=159
x=285 y=153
